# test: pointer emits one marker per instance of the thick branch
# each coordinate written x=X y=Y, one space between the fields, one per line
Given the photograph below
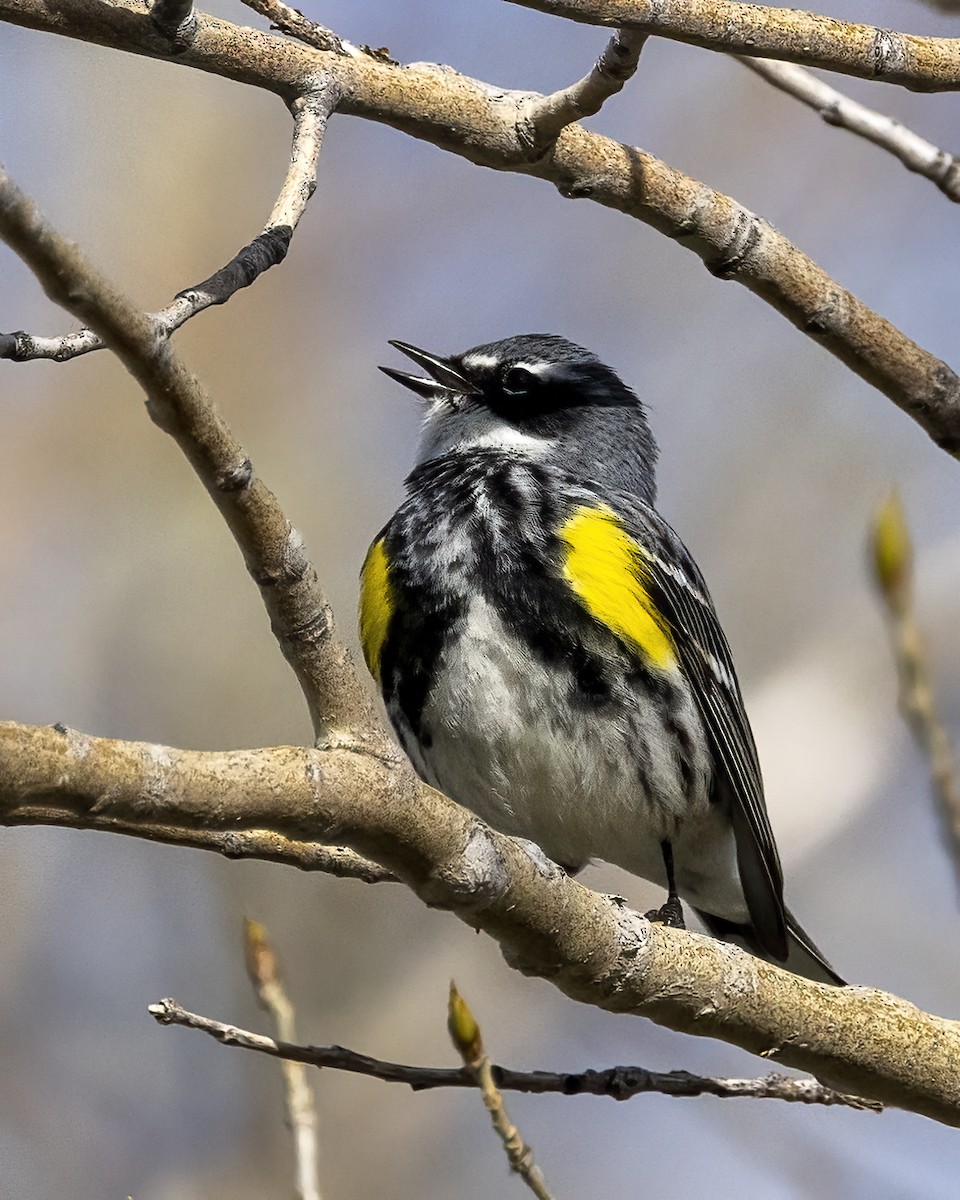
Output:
x=855 y=1040
x=923 y=64
x=618 y=1083
x=471 y=119
x=310 y=115
x=915 y=152
x=273 y=550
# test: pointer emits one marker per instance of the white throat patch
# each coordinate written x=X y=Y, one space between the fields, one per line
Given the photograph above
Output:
x=473 y=428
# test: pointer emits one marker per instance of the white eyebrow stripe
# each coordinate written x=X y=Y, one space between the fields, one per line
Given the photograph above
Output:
x=487 y=362
x=535 y=368
x=480 y=360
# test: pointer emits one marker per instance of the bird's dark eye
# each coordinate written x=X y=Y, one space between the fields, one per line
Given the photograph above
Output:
x=517 y=381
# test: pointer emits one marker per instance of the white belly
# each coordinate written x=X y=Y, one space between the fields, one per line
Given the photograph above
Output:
x=503 y=735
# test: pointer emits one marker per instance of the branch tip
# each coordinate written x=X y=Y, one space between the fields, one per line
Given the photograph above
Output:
x=892 y=553
x=835 y=108
x=166 y=1012
x=311 y=110
x=465 y=1033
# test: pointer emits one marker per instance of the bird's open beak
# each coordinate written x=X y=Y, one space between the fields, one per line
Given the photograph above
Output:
x=445 y=380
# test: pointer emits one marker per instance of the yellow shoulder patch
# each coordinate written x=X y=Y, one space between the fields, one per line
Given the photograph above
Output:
x=604 y=566
x=376 y=605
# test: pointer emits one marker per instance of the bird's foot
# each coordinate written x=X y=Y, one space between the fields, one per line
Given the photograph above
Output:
x=670 y=914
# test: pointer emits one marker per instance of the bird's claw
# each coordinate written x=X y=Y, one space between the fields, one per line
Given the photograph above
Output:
x=670 y=914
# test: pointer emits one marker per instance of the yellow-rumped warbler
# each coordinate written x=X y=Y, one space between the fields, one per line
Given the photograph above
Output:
x=547 y=649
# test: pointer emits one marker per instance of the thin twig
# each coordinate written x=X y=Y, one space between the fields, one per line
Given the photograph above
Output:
x=293 y=23
x=466 y=1037
x=915 y=152
x=616 y=1083
x=310 y=114
x=893 y=572
x=266 y=846
x=923 y=64
x=264 y=972
x=302 y=622
x=544 y=117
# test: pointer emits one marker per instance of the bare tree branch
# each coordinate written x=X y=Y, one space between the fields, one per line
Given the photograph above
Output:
x=915 y=152
x=267 y=846
x=546 y=116
x=310 y=114
x=858 y=1041
x=465 y=1033
x=923 y=64
x=264 y=845
x=292 y=22
x=273 y=550
x=483 y=125
x=617 y=1083
x=264 y=972
x=893 y=572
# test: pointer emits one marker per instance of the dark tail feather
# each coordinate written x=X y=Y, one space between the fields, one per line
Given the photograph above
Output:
x=803 y=957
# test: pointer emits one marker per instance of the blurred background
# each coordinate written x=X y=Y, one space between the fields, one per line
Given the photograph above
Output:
x=126 y=611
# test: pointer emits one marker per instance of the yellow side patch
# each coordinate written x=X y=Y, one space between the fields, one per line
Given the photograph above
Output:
x=604 y=566
x=376 y=606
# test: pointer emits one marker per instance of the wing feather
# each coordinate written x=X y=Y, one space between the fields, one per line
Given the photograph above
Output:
x=674 y=582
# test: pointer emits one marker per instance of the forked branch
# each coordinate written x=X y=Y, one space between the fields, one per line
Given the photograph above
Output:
x=175 y=19
x=272 y=549
x=310 y=114
x=543 y=117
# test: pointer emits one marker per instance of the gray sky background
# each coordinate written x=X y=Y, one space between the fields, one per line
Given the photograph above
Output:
x=126 y=611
